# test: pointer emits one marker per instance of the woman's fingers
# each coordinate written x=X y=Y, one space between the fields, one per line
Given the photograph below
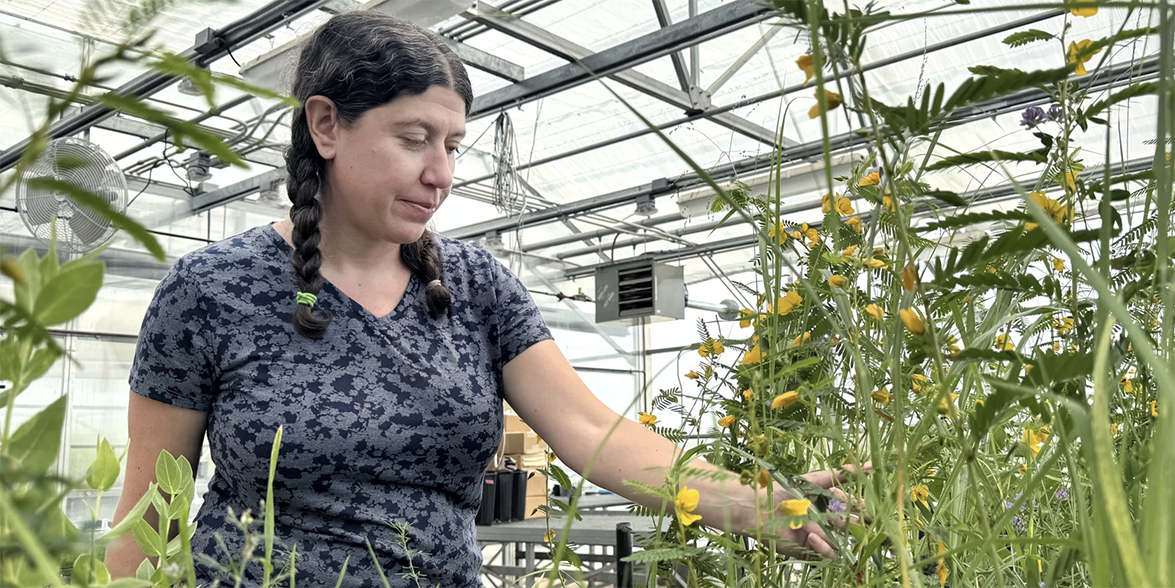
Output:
x=817 y=541
x=829 y=478
x=851 y=502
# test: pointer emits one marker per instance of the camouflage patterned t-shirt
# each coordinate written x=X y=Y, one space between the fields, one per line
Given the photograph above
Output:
x=387 y=420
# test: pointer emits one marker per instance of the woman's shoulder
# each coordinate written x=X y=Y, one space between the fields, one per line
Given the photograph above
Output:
x=241 y=253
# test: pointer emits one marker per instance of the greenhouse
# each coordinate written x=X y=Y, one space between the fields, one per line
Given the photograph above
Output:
x=620 y=293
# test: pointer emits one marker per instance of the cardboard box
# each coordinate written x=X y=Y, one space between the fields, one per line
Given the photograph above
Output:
x=514 y=424
x=532 y=503
x=521 y=442
x=536 y=485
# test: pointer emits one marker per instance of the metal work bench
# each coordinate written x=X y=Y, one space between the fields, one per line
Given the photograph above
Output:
x=608 y=535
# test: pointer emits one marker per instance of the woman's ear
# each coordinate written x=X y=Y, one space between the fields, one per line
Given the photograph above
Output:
x=323 y=119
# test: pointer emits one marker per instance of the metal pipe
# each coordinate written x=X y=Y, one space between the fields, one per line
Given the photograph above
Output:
x=235 y=34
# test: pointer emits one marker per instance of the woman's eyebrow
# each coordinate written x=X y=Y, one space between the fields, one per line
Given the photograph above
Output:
x=427 y=126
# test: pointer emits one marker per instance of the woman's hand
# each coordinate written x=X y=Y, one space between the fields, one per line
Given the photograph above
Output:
x=811 y=537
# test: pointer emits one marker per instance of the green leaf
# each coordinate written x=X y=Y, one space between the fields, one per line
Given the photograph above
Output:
x=945 y=197
x=1100 y=44
x=26 y=293
x=664 y=554
x=132 y=518
x=129 y=583
x=102 y=474
x=964 y=220
x=147 y=539
x=88 y=570
x=1026 y=37
x=69 y=294
x=49 y=263
x=39 y=363
x=178 y=129
x=145 y=570
x=1132 y=91
x=167 y=473
x=36 y=442
x=987 y=157
x=99 y=205
x=984 y=87
x=254 y=90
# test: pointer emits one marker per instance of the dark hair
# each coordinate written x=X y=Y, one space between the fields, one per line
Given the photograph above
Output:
x=360 y=60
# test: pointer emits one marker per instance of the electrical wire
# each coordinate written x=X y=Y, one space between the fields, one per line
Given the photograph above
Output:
x=505 y=188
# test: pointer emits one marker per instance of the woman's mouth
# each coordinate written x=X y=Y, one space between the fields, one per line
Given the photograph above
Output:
x=420 y=209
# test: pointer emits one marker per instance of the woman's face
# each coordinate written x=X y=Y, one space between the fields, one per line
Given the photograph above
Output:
x=390 y=170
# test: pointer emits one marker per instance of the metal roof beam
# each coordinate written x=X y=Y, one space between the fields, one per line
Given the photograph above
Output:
x=981 y=196
x=917 y=53
x=705 y=26
x=678 y=63
x=236 y=34
x=693 y=100
x=491 y=64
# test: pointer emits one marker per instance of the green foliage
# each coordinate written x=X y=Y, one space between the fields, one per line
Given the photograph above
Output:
x=1025 y=37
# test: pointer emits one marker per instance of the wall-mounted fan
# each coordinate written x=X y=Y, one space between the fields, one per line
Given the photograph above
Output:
x=82 y=163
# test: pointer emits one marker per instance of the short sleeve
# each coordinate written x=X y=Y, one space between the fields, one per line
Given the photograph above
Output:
x=172 y=362
x=520 y=322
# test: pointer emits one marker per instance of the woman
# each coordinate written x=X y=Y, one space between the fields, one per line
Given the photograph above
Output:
x=390 y=378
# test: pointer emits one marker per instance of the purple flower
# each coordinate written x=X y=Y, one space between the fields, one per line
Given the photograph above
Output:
x=1061 y=494
x=1055 y=113
x=1033 y=116
x=1018 y=524
x=835 y=505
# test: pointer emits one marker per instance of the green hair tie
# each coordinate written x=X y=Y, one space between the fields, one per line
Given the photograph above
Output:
x=307 y=298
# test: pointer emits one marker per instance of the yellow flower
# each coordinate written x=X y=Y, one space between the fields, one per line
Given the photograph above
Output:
x=909 y=277
x=1070 y=180
x=916 y=381
x=801 y=339
x=785 y=399
x=748 y=393
x=872 y=179
x=755 y=355
x=1084 y=11
x=764 y=477
x=647 y=419
x=837 y=281
x=1058 y=264
x=1003 y=342
x=726 y=421
x=943 y=571
x=1064 y=325
x=855 y=224
x=875 y=311
x=685 y=504
x=845 y=206
x=920 y=493
x=833 y=100
x=745 y=316
x=1056 y=347
x=711 y=347
x=1035 y=439
x=549 y=536
x=787 y=303
x=1155 y=409
x=912 y=321
x=805 y=64
x=826 y=203
x=693 y=375
x=796 y=235
x=876 y=263
x=813 y=237
x=1059 y=212
x=795 y=508
x=778 y=232
x=889 y=204
x=1074 y=50
x=881 y=395
x=1114 y=429
x=944 y=407
x=1127 y=385
x=1023 y=469
x=849 y=251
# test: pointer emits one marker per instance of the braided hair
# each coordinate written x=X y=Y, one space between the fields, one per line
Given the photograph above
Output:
x=360 y=60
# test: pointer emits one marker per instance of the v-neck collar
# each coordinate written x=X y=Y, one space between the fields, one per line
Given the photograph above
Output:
x=400 y=308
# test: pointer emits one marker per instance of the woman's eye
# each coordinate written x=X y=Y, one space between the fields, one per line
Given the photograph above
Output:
x=454 y=150
x=415 y=142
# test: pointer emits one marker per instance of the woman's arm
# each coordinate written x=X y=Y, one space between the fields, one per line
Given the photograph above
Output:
x=153 y=427
x=545 y=391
